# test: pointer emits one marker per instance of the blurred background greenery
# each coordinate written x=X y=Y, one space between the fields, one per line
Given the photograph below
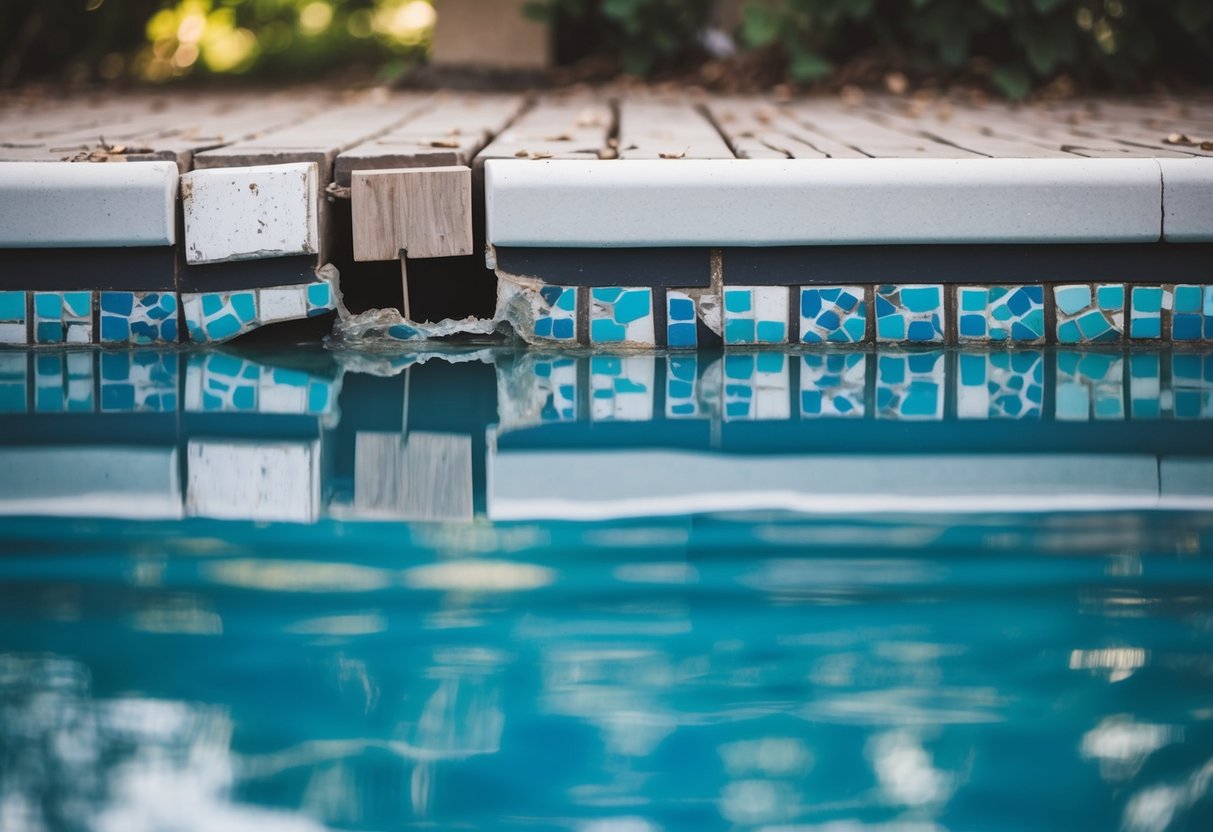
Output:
x=1009 y=46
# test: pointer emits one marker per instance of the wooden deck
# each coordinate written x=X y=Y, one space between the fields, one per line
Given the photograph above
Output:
x=532 y=183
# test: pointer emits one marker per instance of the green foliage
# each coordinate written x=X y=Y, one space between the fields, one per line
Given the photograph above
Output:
x=1020 y=43
x=645 y=35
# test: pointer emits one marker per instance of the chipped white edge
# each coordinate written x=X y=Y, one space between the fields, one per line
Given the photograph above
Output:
x=87 y=205
x=232 y=234
x=756 y=202
x=1187 y=200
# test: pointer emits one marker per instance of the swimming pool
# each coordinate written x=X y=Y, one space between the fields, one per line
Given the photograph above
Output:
x=483 y=589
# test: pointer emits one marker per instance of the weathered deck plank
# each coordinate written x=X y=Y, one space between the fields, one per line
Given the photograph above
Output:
x=848 y=126
x=656 y=129
x=555 y=128
x=451 y=132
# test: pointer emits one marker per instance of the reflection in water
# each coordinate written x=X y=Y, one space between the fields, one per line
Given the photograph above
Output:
x=405 y=652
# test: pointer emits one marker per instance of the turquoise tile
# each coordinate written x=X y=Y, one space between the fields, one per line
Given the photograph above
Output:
x=1111 y=297
x=737 y=300
x=1072 y=299
x=48 y=305
x=1147 y=299
x=79 y=304
x=1188 y=298
x=12 y=306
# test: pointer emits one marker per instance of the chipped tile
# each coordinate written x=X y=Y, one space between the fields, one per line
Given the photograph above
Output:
x=556 y=315
x=1089 y=314
x=1146 y=305
x=212 y=317
x=682 y=328
x=755 y=315
x=138 y=317
x=63 y=317
x=14 y=328
x=1000 y=313
x=1192 y=314
x=833 y=384
x=621 y=316
x=910 y=314
x=834 y=314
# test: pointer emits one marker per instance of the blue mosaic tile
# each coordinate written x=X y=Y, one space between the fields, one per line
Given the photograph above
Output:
x=138 y=318
x=682 y=330
x=755 y=315
x=909 y=314
x=1192 y=386
x=556 y=316
x=682 y=388
x=621 y=388
x=1089 y=385
x=1089 y=314
x=834 y=314
x=621 y=316
x=321 y=299
x=212 y=317
x=1146 y=311
x=138 y=380
x=910 y=386
x=757 y=386
x=63 y=317
x=833 y=385
x=1000 y=313
x=63 y=382
x=14 y=377
x=14 y=327
x=1192 y=314
x=1000 y=385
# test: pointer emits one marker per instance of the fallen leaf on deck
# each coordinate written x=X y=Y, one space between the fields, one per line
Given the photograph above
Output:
x=444 y=143
x=680 y=155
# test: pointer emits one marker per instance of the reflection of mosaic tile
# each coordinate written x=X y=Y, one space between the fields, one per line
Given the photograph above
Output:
x=63 y=317
x=1146 y=304
x=1145 y=386
x=557 y=317
x=681 y=387
x=13 y=320
x=138 y=317
x=909 y=313
x=13 y=380
x=681 y=326
x=1192 y=386
x=910 y=386
x=1000 y=385
x=621 y=388
x=837 y=314
x=211 y=317
x=293 y=392
x=1087 y=314
x=755 y=315
x=141 y=380
x=557 y=381
x=1089 y=384
x=621 y=316
x=833 y=384
x=756 y=386
x=1192 y=317
x=63 y=383
x=221 y=383
x=1000 y=313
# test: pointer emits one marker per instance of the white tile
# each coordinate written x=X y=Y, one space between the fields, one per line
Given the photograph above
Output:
x=827 y=201
x=282 y=304
x=250 y=213
x=13 y=334
x=68 y=205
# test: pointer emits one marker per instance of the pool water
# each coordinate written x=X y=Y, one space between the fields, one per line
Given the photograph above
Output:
x=487 y=589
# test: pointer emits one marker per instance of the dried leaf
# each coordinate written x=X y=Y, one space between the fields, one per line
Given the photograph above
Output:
x=522 y=154
x=608 y=153
x=541 y=154
x=680 y=155
x=560 y=137
x=444 y=143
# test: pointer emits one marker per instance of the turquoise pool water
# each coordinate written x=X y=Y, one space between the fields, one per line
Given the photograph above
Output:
x=486 y=589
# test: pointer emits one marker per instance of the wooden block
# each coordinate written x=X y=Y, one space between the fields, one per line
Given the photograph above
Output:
x=250 y=213
x=424 y=212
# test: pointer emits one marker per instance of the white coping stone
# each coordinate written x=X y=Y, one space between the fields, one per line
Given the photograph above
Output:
x=91 y=482
x=768 y=202
x=241 y=480
x=86 y=205
x=1187 y=200
x=250 y=213
x=584 y=485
